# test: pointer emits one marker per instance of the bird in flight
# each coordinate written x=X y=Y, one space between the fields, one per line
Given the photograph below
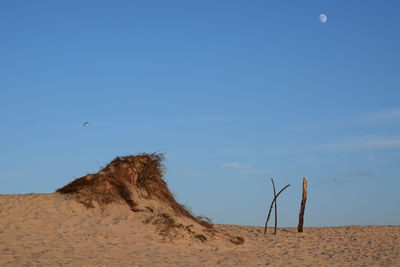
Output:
x=85 y=123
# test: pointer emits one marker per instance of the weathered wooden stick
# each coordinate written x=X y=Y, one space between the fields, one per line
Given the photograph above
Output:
x=270 y=207
x=276 y=209
x=303 y=206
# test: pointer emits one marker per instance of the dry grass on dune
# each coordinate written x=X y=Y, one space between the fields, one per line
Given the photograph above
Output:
x=138 y=182
x=115 y=182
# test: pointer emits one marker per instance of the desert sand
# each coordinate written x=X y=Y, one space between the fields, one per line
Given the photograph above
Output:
x=105 y=220
x=50 y=230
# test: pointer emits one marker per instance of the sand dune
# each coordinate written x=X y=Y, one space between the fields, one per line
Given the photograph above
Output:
x=125 y=216
x=52 y=230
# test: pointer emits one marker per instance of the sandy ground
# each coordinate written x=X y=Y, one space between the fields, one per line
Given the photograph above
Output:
x=50 y=230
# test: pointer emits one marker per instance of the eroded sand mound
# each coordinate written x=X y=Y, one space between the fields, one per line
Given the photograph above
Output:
x=137 y=182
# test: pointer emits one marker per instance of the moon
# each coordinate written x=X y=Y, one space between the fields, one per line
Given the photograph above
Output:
x=323 y=18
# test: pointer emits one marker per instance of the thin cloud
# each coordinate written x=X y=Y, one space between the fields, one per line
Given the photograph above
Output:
x=384 y=115
x=346 y=177
x=7 y=175
x=330 y=181
x=357 y=174
x=367 y=142
x=207 y=119
x=235 y=165
x=244 y=168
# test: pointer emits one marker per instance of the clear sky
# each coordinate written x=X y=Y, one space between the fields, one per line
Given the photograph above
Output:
x=234 y=92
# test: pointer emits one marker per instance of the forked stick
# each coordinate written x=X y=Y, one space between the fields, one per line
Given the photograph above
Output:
x=270 y=207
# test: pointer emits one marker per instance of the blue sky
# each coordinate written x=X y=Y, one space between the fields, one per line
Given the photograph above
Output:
x=234 y=92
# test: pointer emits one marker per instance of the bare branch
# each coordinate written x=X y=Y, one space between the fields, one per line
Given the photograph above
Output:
x=270 y=207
